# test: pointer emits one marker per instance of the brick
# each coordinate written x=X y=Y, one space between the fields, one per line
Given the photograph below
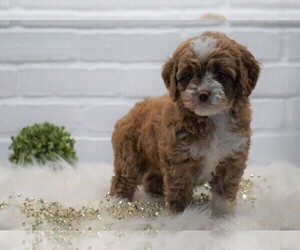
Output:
x=4 y=23
x=94 y=150
x=37 y=47
x=262 y=17
x=102 y=118
x=266 y=3
x=268 y=148
x=107 y=24
x=293 y=113
x=69 y=4
x=8 y=83
x=103 y=13
x=143 y=83
x=5 y=4
x=70 y=82
x=293 y=47
x=268 y=114
x=263 y=45
x=170 y=4
x=278 y=81
x=127 y=47
x=77 y=24
x=19 y=116
x=114 y=4
x=263 y=23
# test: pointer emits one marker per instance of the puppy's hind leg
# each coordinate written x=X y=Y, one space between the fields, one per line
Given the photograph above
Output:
x=128 y=168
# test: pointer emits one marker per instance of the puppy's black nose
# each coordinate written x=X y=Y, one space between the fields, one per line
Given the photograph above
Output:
x=203 y=96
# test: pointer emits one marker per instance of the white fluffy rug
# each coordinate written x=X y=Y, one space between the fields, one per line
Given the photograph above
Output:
x=276 y=206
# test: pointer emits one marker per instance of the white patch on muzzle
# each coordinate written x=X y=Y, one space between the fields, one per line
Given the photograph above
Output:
x=216 y=100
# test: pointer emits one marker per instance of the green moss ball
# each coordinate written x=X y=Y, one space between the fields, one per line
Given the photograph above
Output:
x=41 y=143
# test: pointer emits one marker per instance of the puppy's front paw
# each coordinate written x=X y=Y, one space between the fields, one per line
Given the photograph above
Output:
x=175 y=206
x=221 y=206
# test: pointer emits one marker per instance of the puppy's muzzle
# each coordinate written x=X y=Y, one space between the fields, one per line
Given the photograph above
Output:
x=203 y=96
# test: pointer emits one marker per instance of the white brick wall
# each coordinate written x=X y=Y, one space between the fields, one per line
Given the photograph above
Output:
x=87 y=74
x=61 y=82
x=150 y=10
x=293 y=48
x=38 y=47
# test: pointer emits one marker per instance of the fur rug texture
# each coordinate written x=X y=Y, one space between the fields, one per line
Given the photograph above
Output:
x=276 y=210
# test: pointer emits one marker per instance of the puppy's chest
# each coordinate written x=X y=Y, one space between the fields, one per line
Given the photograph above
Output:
x=222 y=143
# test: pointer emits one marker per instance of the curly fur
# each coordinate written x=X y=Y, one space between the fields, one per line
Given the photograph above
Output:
x=170 y=143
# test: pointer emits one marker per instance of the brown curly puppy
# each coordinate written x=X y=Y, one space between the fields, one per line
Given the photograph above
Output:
x=200 y=132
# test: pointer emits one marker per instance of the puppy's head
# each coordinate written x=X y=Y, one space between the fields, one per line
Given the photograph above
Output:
x=209 y=72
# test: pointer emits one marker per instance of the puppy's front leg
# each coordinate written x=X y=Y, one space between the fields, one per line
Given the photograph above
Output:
x=225 y=184
x=179 y=179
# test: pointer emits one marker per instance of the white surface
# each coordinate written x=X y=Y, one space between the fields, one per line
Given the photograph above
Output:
x=87 y=74
x=276 y=207
x=173 y=240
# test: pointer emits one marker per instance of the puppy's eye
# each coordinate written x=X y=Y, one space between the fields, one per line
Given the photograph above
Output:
x=186 y=78
x=220 y=76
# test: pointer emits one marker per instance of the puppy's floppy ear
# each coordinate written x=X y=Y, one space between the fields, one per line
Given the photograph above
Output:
x=169 y=76
x=249 y=72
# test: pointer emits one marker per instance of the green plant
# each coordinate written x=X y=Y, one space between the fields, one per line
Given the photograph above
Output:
x=41 y=143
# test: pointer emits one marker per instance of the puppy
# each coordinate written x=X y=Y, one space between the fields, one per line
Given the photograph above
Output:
x=200 y=132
